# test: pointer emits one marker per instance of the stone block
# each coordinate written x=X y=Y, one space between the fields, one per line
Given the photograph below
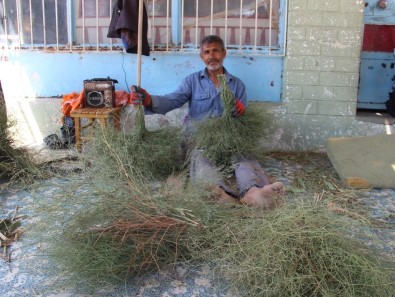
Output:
x=301 y=107
x=336 y=19
x=318 y=34
x=345 y=93
x=304 y=18
x=336 y=108
x=335 y=79
x=347 y=65
x=304 y=48
x=297 y=5
x=344 y=50
x=295 y=63
x=352 y=6
x=309 y=78
x=313 y=63
x=296 y=33
x=318 y=93
x=323 y=5
x=350 y=35
x=292 y=92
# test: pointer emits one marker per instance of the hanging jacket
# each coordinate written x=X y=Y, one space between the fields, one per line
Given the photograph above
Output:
x=124 y=25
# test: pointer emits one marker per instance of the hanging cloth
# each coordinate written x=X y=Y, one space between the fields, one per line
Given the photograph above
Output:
x=124 y=25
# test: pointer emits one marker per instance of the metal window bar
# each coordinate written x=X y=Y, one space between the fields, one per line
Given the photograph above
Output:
x=31 y=24
x=270 y=25
x=226 y=23
x=153 y=24
x=241 y=25
x=70 y=24
x=211 y=17
x=167 y=24
x=44 y=24
x=4 y=19
x=83 y=25
x=256 y=26
x=182 y=24
x=196 y=24
x=111 y=42
x=57 y=24
x=97 y=25
x=18 y=14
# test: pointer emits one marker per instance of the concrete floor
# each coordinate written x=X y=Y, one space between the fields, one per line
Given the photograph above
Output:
x=375 y=116
x=31 y=273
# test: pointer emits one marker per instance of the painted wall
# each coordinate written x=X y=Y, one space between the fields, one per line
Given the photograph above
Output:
x=53 y=74
x=34 y=81
x=318 y=92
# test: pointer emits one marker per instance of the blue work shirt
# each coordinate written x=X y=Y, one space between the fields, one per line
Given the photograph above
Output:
x=203 y=97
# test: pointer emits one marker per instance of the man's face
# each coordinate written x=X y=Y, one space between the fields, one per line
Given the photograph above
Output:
x=212 y=55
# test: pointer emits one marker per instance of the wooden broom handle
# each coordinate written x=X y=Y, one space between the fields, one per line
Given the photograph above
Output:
x=139 y=42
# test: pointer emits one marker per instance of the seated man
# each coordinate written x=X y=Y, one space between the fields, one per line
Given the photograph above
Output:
x=202 y=91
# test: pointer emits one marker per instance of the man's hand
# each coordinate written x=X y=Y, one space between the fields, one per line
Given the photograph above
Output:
x=238 y=108
x=139 y=95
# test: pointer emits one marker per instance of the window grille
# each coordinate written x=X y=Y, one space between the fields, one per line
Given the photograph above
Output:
x=254 y=26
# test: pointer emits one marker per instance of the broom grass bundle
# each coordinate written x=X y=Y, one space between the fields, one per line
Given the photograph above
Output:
x=302 y=249
x=144 y=154
x=15 y=164
x=123 y=226
x=119 y=231
x=299 y=250
x=136 y=241
x=225 y=138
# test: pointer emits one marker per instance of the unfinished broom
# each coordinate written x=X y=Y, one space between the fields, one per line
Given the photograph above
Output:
x=15 y=164
x=302 y=249
x=225 y=138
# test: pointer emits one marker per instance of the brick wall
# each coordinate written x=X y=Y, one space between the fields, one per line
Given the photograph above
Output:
x=324 y=41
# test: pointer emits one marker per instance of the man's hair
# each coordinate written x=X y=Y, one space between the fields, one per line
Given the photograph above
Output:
x=212 y=39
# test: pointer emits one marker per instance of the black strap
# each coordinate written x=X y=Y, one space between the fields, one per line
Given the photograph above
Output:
x=120 y=3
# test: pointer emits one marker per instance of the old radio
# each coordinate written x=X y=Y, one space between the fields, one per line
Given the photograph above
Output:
x=99 y=92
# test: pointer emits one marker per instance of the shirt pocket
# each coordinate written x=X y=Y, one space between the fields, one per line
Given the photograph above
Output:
x=201 y=105
x=202 y=96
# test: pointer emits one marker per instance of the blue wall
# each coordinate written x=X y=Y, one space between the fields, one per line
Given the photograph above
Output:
x=43 y=74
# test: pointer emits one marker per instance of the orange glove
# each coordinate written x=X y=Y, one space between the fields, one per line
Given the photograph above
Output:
x=238 y=108
x=139 y=95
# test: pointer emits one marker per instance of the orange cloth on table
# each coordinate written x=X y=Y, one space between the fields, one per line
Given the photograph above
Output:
x=121 y=98
x=75 y=100
x=72 y=101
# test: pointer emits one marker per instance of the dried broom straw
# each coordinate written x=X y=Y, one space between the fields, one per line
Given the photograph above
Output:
x=15 y=164
x=297 y=250
x=302 y=249
x=128 y=229
x=146 y=154
x=225 y=138
x=118 y=232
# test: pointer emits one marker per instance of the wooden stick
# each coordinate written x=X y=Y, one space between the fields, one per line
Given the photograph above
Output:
x=139 y=42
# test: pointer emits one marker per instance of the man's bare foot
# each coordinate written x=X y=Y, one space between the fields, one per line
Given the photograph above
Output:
x=223 y=197
x=267 y=197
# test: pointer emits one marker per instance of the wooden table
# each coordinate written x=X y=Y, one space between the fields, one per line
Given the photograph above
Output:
x=92 y=113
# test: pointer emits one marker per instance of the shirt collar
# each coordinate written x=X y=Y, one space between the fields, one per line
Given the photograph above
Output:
x=203 y=73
